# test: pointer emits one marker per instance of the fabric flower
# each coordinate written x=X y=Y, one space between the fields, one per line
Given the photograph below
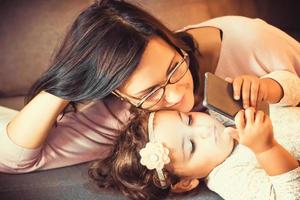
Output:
x=154 y=155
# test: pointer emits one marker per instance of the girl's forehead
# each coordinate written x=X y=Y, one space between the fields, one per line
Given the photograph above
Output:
x=168 y=126
x=164 y=117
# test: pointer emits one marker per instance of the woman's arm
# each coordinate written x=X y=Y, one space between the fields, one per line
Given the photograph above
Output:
x=290 y=84
x=78 y=137
x=30 y=127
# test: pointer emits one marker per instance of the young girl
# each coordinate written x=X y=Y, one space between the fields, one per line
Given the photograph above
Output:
x=116 y=48
x=168 y=152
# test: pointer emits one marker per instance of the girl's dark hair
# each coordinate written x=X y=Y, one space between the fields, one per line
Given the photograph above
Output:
x=101 y=50
x=121 y=170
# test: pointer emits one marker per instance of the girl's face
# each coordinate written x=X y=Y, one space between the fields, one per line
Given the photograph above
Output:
x=196 y=141
x=156 y=63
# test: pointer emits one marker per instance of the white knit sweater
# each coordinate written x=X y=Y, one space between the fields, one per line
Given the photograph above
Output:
x=241 y=177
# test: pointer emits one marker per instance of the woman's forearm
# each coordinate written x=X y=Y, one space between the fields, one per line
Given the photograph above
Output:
x=30 y=127
x=277 y=160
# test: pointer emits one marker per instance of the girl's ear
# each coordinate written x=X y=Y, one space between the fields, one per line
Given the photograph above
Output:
x=184 y=185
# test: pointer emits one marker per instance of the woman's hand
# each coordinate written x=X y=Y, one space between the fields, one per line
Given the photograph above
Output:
x=254 y=90
x=254 y=130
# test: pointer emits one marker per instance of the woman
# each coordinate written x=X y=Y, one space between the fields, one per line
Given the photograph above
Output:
x=115 y=48
x=169 y=152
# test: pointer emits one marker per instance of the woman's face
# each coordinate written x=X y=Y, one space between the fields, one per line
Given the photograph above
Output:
x=197 y=142
x=158 y=59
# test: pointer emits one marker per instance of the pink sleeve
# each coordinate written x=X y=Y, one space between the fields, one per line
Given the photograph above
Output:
x=79 y=137
x=290 y=84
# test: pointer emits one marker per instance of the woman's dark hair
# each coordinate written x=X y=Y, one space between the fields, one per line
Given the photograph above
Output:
x=121 y=170
x=102 y=48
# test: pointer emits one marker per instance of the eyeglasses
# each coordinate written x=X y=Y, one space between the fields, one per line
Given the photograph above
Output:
x=153 y=97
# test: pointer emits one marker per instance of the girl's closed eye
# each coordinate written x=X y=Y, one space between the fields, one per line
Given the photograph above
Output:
x=190 y=147
x=190 y=120
x=186 y=118
x=193 y=146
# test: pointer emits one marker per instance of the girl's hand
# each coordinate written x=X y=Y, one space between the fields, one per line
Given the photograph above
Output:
x=251 y=88
x=254 y=130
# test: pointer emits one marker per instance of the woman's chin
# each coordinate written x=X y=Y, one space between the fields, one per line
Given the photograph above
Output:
x=187 y=104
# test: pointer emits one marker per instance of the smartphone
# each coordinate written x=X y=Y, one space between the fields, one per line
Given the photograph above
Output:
x=218 y=96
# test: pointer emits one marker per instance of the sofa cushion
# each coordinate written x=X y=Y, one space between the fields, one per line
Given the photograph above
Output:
x=68 y=183
x=16 y=103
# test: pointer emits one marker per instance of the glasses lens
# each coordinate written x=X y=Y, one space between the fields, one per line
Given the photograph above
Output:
x=153 y=99
x=181 y=70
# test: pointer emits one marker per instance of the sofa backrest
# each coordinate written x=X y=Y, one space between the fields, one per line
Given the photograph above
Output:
x=30 y=31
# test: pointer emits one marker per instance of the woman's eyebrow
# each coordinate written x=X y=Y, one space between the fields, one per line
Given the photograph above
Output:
x=170 y=67
x=167 y=73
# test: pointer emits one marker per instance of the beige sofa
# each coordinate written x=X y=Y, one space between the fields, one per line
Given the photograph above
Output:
x=31 y=30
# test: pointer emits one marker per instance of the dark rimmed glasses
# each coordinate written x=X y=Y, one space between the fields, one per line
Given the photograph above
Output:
x=153 y=97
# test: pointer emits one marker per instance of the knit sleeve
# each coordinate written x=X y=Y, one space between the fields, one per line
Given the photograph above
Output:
x=287 y=185
x=290 y=84
x=240 y=178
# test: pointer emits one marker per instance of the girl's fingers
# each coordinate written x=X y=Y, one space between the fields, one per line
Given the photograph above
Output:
x=240 y=120
x=245 y=93
x=254 y=93
x=250 y=115
x=237 y=85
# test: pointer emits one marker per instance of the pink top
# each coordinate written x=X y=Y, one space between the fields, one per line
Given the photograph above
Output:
x=249 y=46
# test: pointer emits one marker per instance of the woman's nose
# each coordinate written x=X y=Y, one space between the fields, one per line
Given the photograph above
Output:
x=173 y=95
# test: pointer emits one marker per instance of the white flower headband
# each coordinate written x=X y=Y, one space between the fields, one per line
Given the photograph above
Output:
x=154 y=154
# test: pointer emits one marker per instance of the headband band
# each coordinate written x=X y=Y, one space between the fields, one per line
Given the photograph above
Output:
x=154 y=155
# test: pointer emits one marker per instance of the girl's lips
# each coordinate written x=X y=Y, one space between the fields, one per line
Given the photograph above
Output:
x=216 y=135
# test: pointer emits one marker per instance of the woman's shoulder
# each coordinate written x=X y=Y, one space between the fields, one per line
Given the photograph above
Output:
x=231 y=31
x=226 y=23
x=212 y=41
x=233 y=28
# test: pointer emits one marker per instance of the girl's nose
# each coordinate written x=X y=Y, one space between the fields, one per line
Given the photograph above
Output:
x=204 y=131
